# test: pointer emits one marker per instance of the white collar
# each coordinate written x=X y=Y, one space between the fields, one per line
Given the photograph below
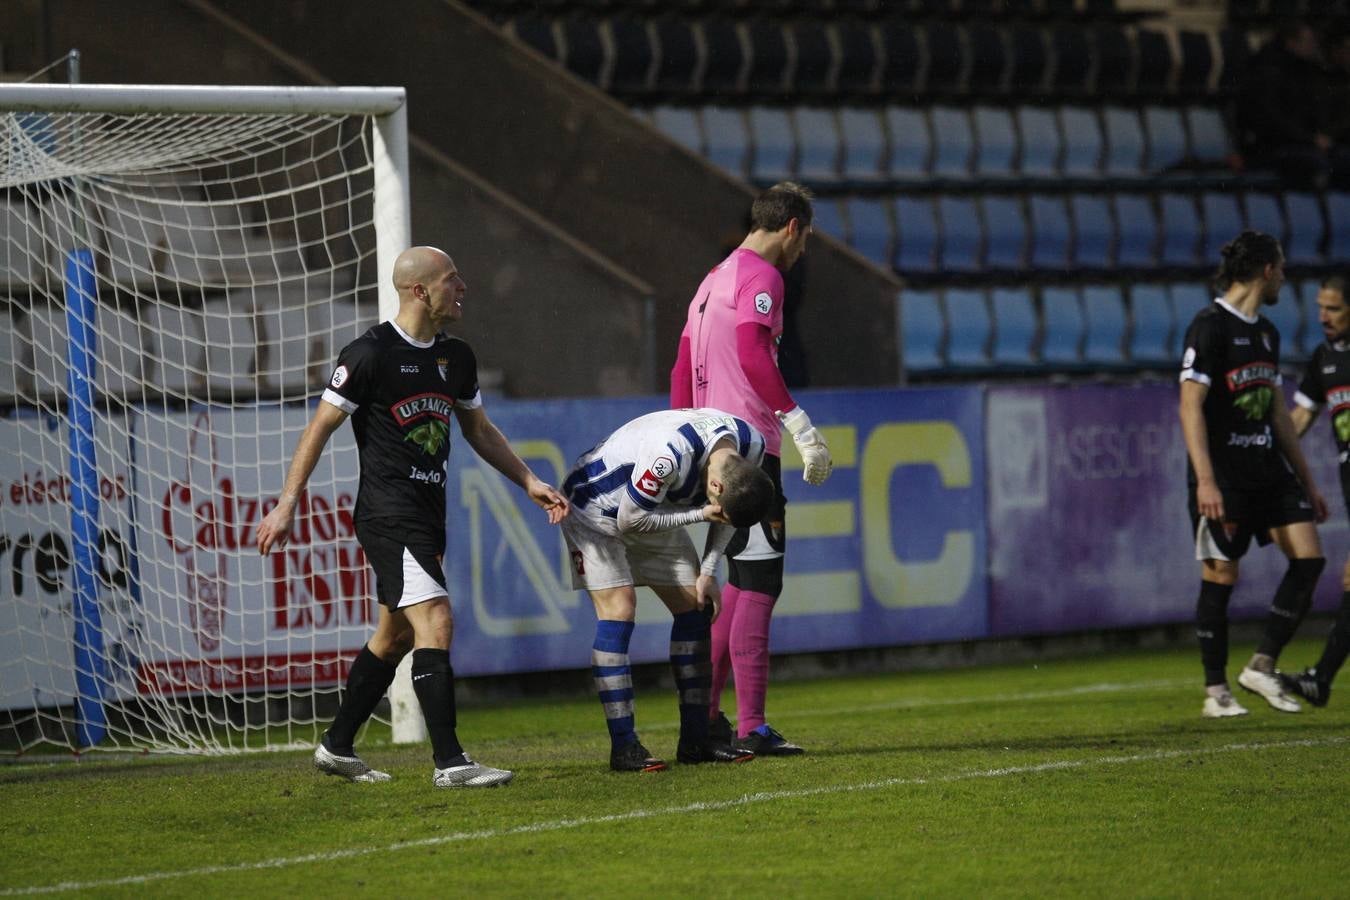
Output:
x=1250 y=320
x=414 y=341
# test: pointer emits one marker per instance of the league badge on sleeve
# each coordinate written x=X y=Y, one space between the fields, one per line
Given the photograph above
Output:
x=763 y=303
x=651 y=482
x=339 y=376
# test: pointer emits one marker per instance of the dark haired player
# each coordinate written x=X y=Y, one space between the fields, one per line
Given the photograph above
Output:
x=1326 y=382
x=400 y=382
x=1246 y=474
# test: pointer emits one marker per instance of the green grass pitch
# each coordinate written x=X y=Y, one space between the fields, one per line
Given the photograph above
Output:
x=1094 y=776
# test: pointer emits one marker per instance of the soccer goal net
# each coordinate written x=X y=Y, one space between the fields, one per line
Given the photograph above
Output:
x=178 y=268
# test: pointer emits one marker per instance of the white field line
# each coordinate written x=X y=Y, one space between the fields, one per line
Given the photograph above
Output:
x=632 y=815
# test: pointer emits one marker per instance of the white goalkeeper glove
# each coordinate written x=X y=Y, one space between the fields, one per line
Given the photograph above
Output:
x=816 y=462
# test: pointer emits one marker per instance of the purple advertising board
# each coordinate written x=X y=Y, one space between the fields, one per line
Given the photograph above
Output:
x=1087 y=519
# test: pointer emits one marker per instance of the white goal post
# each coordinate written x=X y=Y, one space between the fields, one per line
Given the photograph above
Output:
x=178 y=267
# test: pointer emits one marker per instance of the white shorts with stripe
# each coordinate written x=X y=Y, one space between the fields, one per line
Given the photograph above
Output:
x=602 y=557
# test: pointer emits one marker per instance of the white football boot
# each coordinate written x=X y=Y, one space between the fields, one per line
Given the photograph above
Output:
x=471 y=774
x=352 y=768
x=1222 y=706
x=1268 y=686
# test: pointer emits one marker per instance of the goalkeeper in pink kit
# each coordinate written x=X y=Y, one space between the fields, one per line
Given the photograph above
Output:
x=728 y=360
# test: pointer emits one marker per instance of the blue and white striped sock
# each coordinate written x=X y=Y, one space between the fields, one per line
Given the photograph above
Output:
x=691 y=660
x=614 y=678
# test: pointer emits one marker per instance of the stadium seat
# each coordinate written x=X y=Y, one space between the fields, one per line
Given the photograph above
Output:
x=1104 y=308
x=826 y=219
x=178 y=343
x=584 y=50
x=1209 y=141
x=995 y=142
x=49 y=351
x=1005 y=229
x=727 y=138
x=817 y=145
x=1156 y=66
x=1197 y=62
x=1223 y=219
x=1188 y=298
x=961 y=233
x=1050 y=232
x=773 y=147
x=1062 y=327
x=1264 y=213
x=1306 y=228
x=864 y=145
x=768 y=74
x=870 y=230
x=816 y=69
x=989 y=59
x=904 y=59
x=1235 y=50
x=858 y=71
x=1151 y=326
x=293 y=355
x=723 y=59
x=1015 y=328
x=678 y=58
x=911 y=142
x=1041 y=146
x=953 y=142
x=917 y=231
x=969 y=328
x=1166 y=138
x=1093 y=232
x=1072 y=59
x=1082 y=142
x=23 y=252
x=538 y=33
x=231 y=347
x=1113 y=49
x=1287 y=316
x=1338 y=226
x=679 y=124
x=16 y=347
x=1124 y=143
x=922 y=331
x=948 y=60
x=1181 y=230
x=1029 y=63
x=123 y=365
x=1138 y=229
x=631 y=67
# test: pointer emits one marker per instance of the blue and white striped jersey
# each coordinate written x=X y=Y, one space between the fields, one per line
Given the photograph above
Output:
x=657 y=460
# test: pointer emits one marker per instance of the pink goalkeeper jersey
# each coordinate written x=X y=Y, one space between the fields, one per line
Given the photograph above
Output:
x=742 y=288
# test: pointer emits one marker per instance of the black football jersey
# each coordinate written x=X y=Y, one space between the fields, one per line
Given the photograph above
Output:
x=1326 y=382
x=400 y=394
x=1239 y=359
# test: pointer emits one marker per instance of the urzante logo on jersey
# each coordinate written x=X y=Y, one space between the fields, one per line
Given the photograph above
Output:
x=1253 y=389
x=430 y=436
x=649 y=485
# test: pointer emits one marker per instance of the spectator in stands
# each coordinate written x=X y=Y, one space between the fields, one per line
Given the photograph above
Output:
x=1326 y=382
x=727 y=360
x=400 y=382
x=1282 y=111
x=1246 y=475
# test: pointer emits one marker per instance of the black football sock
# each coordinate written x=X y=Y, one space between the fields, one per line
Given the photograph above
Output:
x=367 y=681
x=1211 y=627
x=434 y=683
x=1338 y=643
x=1292 y=599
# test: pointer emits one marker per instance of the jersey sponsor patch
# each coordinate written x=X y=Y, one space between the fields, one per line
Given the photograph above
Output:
x=650 y=483
x=339 y=377
x=763 y=303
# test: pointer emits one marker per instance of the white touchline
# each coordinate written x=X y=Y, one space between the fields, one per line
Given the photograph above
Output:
x=709 y=806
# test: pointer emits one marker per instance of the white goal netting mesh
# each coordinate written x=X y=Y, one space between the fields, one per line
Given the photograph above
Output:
x=230 y=257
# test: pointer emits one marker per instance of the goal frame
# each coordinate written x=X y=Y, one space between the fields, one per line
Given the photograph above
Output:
x=387 y=107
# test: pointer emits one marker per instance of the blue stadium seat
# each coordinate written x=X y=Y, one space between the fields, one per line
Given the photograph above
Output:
x=1166 y=138
x=1015 y=328
x=1030 y=58
x=723 y=57
x=678 y=56
x=1062 y=327
x=1209 y=135
x=1188 y=298
x=1093 y=232
x=585 y=50
x=1196 y=63
x=922 y=331
x=1264 y=213
x=816 y=71
x=864 y=145
x=995 y=142
x=1041 y=146
x=1151 y=326
x=1287 y=315
x=1138 y=247
x=631 y=70
x=773 y=145
x=1223 y=219
x=1082 y=141
x=917 y=229
x=911 y=142
x=858 y=71
x=727 y=138
x=969 y=328
x=1104 y=307
x=1338 y=226
x=953 y=140
x=1050 y=232
x=948 y=59
x=681 y=124
x=817 y=145
x=768 y=73
x=1304 y=244
x=1124 y=143
x=826 y=219
x=1073 y=58
x=1181 y=230
x=1155 y=61
x=1114 y=52
x=1005 y=229
x=903 y=58
x=961 y=233
x=870 y=230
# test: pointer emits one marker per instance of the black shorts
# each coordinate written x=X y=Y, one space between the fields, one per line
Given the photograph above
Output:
x=407 y=561
x=1248 y=513
x=767 y=539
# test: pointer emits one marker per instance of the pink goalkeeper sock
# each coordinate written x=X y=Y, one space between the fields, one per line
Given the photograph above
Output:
x=750 y=658
x=721 y=648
